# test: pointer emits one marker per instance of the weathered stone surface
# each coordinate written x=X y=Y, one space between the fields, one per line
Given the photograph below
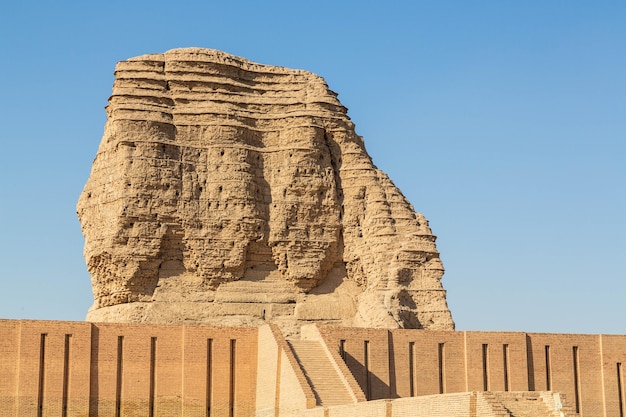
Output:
x=226 y=191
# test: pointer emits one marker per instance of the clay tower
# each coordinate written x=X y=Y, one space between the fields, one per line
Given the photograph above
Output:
x=230 y=192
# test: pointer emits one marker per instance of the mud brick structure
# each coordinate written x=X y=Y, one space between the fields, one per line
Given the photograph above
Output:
x=249 y=260
x=54 y=368
x=230 y=192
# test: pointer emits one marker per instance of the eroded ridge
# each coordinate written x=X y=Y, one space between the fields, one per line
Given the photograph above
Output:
x=234 y=192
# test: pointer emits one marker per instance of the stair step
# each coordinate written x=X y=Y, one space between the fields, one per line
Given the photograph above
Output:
x=519 y=404
x=322 y=376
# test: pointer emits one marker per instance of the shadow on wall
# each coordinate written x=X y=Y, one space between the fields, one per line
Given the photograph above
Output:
x=373 y=387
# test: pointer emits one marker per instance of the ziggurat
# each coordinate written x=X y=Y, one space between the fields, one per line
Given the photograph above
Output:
x=248 y=259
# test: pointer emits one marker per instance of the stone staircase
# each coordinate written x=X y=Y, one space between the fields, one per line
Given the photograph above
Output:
x=328 y=385
x=552 y=398
x=493 y=405
x=525 y=404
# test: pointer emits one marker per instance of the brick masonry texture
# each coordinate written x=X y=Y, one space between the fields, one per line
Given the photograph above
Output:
x=53 y=368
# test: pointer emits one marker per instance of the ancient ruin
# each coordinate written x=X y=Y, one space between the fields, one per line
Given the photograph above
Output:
x=229 y=204
x=230 y=192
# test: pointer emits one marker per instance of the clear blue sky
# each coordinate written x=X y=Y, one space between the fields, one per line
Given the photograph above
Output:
x=503 y=122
